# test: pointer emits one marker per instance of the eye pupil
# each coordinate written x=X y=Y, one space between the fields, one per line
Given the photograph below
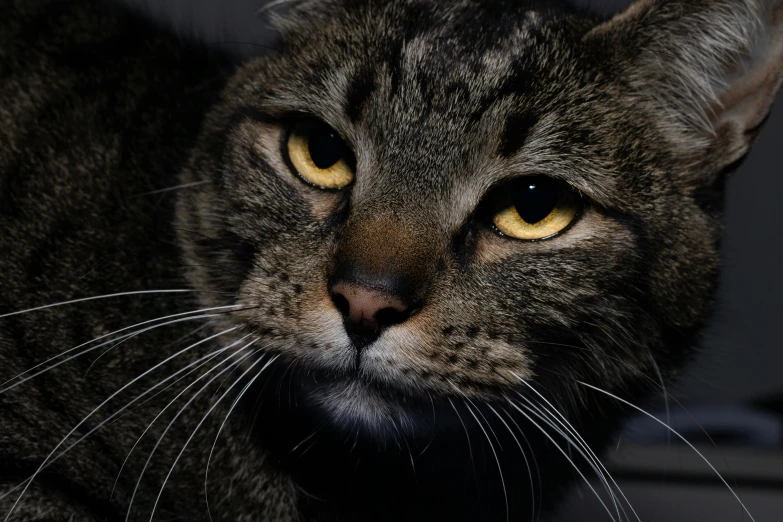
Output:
x=536 y=199
x=325 y=147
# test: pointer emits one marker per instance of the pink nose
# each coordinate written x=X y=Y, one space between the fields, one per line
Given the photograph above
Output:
x=364 y=303
x=366 y=311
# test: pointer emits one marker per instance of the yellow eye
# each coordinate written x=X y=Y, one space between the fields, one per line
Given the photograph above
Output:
x=536 y=207
x=320 y=156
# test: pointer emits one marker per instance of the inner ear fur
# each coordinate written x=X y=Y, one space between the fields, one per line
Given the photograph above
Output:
x=706 y=70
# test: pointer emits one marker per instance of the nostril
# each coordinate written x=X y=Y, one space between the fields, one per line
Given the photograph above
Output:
x=366 y=311
x=390 y=316
x=342 y=304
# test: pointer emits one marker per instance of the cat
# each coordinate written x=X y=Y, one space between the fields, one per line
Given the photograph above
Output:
x=417 y=261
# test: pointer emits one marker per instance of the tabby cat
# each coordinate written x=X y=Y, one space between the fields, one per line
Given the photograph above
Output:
x=415 y=262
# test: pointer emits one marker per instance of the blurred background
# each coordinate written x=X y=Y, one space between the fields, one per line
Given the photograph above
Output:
x=734 y=388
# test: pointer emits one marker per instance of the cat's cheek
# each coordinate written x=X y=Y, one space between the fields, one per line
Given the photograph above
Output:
x=303 y=325
x=414 y=357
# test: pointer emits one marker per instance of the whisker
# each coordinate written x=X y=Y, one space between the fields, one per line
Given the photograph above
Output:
x=657 y=385
x=665 y=397
x=667 y=413
x=132 y=335
x=162 y=390
x=208 y=358
x=221 y=241
x=87 y=350
x=532 y=455
x=169 y=189
x=676 y=433
x=578 y=444
x=222 y=425
x=220 y=386
x=568 y=426
x=119 y=413
x=136 y=379
x=204 y=418
x=303 y=440
x=557 y=446
x=313 y=440
x=181 y=410
x=108 y=296
x=497 y=460
x=467 y=435
x=524 y=456
x=108 y=335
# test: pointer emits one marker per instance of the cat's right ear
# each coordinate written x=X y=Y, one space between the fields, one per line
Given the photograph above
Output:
x=707 y=71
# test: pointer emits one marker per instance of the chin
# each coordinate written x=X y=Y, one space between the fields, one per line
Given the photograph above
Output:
x=359 y=408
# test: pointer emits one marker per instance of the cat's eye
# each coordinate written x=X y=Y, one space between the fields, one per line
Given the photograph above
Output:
x=319 y=155
x=535 y=207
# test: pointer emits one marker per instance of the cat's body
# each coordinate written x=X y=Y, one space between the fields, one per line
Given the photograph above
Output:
x=76 y=216
x=101 y=111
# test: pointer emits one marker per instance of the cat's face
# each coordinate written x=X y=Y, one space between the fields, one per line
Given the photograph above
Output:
x=441 y=134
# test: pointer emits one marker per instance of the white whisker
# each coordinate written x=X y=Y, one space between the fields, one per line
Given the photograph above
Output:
x=203 y=361
x=114 y=333
x=527 y=464
x=576 y=442
x=176 y=187
x=576 y=468
x=560 y=419
x=223 y=424
x=177 y=415
x=119 y=413
x=467 y=435
x=532 y=455
x=193 y=433
x=136 y=379
x=92 y=348
x=676 y=433
x=497 y=459
x=108 y=296
x=174 y=383
x=665 y=400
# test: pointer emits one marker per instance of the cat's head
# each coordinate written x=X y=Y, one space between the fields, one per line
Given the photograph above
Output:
x=422 y=200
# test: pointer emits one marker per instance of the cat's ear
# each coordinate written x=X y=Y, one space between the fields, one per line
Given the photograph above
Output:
x=289 y=15
x=708 y=69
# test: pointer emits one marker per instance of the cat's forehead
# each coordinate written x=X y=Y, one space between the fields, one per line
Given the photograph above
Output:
x=456 y=53
x=437 y=93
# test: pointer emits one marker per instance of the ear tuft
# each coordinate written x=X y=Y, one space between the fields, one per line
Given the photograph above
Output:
x=708 y=69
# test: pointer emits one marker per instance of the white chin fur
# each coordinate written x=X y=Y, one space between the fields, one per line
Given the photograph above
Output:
x=353 y=405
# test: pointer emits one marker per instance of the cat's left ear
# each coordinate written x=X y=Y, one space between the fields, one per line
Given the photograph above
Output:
x=708 y=70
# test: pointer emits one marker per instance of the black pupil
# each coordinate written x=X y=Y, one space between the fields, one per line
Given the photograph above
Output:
x=535 y=198
x=325 y=147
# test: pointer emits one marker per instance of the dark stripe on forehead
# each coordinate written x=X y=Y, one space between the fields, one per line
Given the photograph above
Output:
x=515 y=133
x=520 y=77
x=410 y=20
x=359 y=91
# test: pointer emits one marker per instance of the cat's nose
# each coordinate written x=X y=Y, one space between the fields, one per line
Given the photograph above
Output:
x=367 y=311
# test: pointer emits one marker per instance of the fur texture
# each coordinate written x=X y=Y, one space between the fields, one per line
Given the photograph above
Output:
x=443 y=103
